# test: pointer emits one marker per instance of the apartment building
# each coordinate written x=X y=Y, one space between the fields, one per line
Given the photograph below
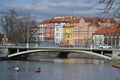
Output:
x=49 y=32
x=72 y=30
x=107 y=35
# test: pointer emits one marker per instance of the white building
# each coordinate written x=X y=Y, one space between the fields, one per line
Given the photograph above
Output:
x=41 y=31
x=58 y=34
x=98 y=39
x=38 y=32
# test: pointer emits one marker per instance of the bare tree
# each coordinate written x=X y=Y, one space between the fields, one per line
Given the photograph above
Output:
x=1 y=36
x=111 y=7
x=16 y=26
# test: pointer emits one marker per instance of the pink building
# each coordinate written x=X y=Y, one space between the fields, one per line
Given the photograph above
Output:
x=49 y=32
x=80 y=31
x=85 y=27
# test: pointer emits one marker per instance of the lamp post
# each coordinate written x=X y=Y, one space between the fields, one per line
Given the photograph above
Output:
x=36 y=41
x=27 y=45
x=92 y=41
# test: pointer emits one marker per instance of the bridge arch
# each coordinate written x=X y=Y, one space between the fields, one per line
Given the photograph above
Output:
x=45 y=50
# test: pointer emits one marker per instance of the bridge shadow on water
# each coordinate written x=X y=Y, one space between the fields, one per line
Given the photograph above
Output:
x=20 y=57
x=63 y=55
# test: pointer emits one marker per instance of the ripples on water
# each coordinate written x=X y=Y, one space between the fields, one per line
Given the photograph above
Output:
x=59 y=69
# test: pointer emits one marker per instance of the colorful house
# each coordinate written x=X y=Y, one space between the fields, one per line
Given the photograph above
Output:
x=49 y=31
x=68 y=32
x=71 y=30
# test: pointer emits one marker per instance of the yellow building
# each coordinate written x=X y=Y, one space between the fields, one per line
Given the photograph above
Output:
x=68 y=30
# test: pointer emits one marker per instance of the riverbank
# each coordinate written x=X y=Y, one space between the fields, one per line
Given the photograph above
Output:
x=116 y=63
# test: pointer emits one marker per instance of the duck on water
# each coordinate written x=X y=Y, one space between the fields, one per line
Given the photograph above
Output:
x=37 y=70
x=17 y=69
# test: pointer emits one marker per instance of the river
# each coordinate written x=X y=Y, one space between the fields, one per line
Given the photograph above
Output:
x=59 y=69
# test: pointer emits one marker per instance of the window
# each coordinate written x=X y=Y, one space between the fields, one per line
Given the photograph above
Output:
x=57 y=29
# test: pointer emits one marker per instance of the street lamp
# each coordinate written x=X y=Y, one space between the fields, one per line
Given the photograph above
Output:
x=28 y=34
x=36 y=41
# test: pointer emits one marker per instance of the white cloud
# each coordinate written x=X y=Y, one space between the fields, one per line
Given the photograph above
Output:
x=46 y=8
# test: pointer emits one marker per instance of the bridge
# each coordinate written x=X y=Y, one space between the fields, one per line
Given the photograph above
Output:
x=14 y=51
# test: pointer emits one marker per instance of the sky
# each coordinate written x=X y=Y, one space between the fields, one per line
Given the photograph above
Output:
x=46 y=9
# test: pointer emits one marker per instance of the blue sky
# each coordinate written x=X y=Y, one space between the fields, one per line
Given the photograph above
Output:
x=46 y=9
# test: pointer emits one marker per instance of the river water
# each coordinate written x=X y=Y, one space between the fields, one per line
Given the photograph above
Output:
x=59 y=69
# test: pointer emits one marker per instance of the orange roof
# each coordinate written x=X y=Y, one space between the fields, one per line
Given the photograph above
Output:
x=94 y=19
x=87 y=19
x=101 y=30
x=94 y=24
x=70 y=19
x=56 y=19
x=45 y=21
x=103 y=19
x=77 y=20
x=112 y=20
x=104 y=30
x=117 y=27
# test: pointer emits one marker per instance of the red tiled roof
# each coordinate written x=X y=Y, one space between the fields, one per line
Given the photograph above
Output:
x=104 y=30
x=87 y=19
x=94 y=19
x=70 y=19
x=112 y=20
x=56 y=19
x=101 y=30
x=117 y=27
x=45 y=21
x=77 y=20
x=94 y=24
x=103 y=19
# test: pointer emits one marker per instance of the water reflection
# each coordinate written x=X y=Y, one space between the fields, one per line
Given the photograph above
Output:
x=60 y=69
x=77 y=61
